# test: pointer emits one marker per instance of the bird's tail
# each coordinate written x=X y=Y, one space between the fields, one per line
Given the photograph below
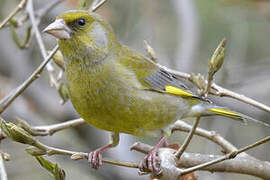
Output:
x=225 y=112
x=205 y=109
x=235 y=115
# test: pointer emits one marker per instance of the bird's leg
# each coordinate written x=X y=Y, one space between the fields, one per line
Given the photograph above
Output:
x=95 y=157
x=151 y=161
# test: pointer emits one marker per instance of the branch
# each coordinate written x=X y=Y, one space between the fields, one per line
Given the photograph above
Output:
x=184 y=146
x=13 y=13
x=41 y=45
x=7 y=100
x=29 y=33
x=171 y=167
x=39 y=14
x=51 y=129
x=241 y=164
x=42 y=149
x=210 y=135
x=97 y=5
x=225 y=157
x=48 y=130
x=223 y=92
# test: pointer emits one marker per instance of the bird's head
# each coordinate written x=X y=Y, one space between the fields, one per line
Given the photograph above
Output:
x=82 y=34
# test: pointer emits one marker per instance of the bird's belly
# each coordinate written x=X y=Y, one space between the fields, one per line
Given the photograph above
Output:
x=133 y=113
x=113 y=106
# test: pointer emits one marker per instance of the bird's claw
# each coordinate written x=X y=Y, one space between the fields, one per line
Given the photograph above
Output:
x=95 y=159
x=151 y=163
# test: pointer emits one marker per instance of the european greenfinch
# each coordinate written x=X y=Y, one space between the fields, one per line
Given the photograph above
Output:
x=119 y=90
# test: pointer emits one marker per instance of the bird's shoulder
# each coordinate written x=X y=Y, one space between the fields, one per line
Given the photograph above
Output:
x=151 y=76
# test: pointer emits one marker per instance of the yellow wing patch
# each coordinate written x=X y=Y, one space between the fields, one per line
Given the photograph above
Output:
x=177 y=91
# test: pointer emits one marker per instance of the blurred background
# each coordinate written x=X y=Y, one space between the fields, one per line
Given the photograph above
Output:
x=184 y=34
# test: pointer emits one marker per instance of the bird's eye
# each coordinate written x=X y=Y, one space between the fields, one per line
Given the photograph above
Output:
x=81 y=21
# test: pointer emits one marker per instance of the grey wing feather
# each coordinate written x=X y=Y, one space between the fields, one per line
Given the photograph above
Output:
x=161 y=78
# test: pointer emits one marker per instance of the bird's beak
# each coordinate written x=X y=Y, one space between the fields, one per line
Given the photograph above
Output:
x=58 y=29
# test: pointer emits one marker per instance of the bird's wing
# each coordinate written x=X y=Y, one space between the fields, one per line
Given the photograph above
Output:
x=163 y=81
x=153 y=77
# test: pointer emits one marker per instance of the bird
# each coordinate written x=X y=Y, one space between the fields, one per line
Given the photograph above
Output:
x=116 y=89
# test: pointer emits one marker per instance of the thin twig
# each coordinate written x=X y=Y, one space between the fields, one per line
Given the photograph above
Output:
x=262 y=141
x=79 y=155
x=225 y=157
x=241 y=164
x=97 y=5
x=150 y=51
x=41 y=45
x=13 y=13
x=184 y=146
x=210 y=135
x=220 y=91
x=51 y=129
x=3 y=173
x=39 y=14
x=7 y=100
x=31 y=14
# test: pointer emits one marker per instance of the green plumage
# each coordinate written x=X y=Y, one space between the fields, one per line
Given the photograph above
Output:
x=116 y=89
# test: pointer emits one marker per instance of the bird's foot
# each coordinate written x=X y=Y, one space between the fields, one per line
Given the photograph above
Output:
x=151 y=162
x=95 y=159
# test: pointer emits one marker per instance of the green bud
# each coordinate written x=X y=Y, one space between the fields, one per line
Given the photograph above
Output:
x=53 y=168
x=35 y=151
x=63 y=92
x=14 y=23
x=59 y=173
x=217 y=58
x=23 y=124
x=17 y=133
x=199 y=81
